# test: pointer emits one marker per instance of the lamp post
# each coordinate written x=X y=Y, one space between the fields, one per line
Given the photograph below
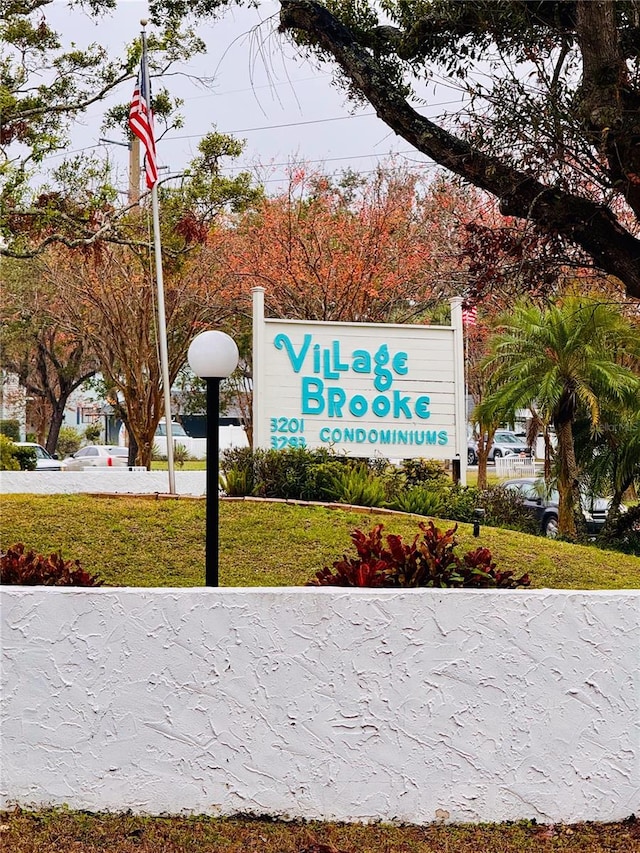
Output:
x=212 y=356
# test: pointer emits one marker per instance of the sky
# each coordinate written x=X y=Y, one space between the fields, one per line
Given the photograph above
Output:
x=259 y=90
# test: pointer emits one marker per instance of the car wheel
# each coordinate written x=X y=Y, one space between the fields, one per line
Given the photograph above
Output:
x=471 y=457
x=497 y=454
x=550 y=526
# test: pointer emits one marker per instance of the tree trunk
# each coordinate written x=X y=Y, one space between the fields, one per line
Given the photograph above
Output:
x=567 y=480
x=483 y=448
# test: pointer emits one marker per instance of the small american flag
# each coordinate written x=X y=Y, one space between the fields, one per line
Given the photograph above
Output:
x=141 y=123
x=470 y=315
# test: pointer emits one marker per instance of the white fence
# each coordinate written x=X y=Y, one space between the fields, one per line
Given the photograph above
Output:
x=323 y=703
x=515 y=466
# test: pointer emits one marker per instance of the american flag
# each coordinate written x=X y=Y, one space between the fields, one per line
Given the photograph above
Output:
x=141 y=123
x=470 y=315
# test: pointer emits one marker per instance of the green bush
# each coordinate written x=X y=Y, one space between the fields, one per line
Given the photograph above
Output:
x=460 y=502
x=30 y=569
x=427 y=562
x=11 y=428
x=293 y=473
x=504 y=508
x=93 y=433
x=420 y=500
x=420 y=472
x=356 y=486
x=69 y=441
x=26 y=458
x=8 y=461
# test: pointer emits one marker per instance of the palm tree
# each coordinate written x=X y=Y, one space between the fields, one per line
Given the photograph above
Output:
x=564 y=360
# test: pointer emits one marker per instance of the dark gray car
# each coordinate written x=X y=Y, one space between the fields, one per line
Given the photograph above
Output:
x=542 y=502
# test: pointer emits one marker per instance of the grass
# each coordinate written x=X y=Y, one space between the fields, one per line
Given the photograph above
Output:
x=141 y=541
x=59 y=831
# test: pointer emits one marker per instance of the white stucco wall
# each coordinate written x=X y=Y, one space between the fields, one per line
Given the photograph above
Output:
x=323 y=703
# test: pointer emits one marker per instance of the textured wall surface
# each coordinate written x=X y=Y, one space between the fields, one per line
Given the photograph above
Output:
x=107 y=480
x=324 y=703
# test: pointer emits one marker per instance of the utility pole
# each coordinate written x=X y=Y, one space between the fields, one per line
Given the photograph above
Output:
x=134 y=171
x=134 y=166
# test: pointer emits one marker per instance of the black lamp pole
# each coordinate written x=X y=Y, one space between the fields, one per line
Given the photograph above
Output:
x=213 y=477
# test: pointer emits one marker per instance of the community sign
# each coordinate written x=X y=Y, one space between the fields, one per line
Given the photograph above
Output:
x=363 y=389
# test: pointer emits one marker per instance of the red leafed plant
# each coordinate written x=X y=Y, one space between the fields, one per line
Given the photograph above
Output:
x=31 y=569
x=429 y=561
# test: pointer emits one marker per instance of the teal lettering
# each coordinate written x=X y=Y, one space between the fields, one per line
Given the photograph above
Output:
x=443 y=437
x=312 y=399
x=381 y=406
x=358 y=406
x=361 y=361
x=316 y=358
x=324 y=434
x=422 y=407
x=337 y=364
x=336 y=400
x=360 y=436
x=326 y=361
x=384 y=377
x=399 y=363
x=283 y=342
x=401 y=404
x=430 y=437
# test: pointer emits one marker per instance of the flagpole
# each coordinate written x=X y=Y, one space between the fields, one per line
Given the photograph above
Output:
x=162 y=321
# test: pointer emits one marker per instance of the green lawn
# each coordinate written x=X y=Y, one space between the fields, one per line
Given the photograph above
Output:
x=135 y=541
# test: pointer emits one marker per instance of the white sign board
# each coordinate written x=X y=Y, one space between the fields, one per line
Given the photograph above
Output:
x=363 y=389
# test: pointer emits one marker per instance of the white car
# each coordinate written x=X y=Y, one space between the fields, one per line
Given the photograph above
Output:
x=98 y=456
x=44 y=460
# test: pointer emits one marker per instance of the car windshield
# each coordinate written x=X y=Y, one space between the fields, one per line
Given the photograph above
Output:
x=506 y=438
x=41 y=453
x=118 y=451
x=176 y=429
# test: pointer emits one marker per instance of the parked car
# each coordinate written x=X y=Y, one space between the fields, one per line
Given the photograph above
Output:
x=505 y=443
x=229 y=435
x=44 y=460
x=542 y=502
x=98 y=456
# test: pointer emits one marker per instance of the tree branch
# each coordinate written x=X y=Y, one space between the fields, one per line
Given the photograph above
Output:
x=591 y=226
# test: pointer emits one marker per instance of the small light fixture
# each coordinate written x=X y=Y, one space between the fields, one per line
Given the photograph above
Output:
x=478 y=516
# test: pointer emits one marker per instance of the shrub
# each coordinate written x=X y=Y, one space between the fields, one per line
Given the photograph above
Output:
x=294 y=473
x=26 y=458
x=419 y=472
x=31 y=569
x=420 y=500
x=93 y=433
x=505 y=509
x=8 y=461
x=11 y=428
x=356 y=486
x=460 y=502
x=180 y=454
x=69 y=441
x=427 y=562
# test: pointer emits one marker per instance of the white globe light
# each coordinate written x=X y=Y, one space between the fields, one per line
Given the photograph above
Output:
x=213 y=355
